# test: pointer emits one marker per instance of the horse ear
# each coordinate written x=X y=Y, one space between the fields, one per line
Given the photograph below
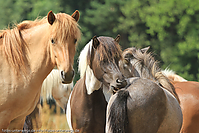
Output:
x=76 y=15
x=143 y=50
x=95 y=42
x=51 y=17
x=117 y=39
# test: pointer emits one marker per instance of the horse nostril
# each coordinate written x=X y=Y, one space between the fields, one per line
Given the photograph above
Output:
x=121 y=83
x=62 y=75
x=118 y=81
x=67 y=77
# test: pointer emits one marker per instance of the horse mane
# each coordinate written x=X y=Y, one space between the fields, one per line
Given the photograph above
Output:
x=52 y=81
x=83 y=62
x=15 y=47
x=149 y=66
x=173 y=76
x=107 y=51
x=147 y=61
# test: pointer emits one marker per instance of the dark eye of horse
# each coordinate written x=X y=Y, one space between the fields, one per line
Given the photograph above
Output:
x=126 y=60
x=75 y=41
x=52 y=41
x=128 y=55
x=105 y=61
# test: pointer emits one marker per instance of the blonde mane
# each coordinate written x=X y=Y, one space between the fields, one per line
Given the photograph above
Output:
x=92 y=83
x=173 y=76
x=15 y=47
x=83 y=61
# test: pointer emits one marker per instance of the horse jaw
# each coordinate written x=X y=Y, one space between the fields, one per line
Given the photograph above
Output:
x=92 y=83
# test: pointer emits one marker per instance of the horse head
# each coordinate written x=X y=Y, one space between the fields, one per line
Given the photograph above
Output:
x=132 y=64
x=63 y=39
x=104 y=61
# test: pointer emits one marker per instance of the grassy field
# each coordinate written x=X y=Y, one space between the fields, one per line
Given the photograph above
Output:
x=51 y=120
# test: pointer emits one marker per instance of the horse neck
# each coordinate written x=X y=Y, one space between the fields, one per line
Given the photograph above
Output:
x=38 y=50
x=143 y=71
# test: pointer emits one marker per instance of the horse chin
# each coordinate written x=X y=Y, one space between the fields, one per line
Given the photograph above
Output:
x=67 y=81
x=114 y=89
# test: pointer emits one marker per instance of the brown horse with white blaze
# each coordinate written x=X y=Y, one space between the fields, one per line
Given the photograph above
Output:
x=98 y=65
x=28 y=53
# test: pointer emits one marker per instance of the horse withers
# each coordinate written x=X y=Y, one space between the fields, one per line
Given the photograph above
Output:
x=28 y=53
x=149 y=103
x=98 y=65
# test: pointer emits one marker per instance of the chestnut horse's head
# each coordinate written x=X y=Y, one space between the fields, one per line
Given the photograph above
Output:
x=65 y=33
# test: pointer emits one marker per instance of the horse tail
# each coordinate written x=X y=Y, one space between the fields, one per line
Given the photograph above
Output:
x=117 y=117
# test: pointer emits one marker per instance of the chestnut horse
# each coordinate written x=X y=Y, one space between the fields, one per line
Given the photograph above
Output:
x=28 y=53
x=98 y=65
x=149 y=103
x=188 y=92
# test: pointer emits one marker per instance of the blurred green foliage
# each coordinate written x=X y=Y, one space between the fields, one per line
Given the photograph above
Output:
x=169 y=27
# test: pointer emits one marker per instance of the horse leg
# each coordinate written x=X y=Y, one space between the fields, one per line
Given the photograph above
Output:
x=4 y=120
x=36 y=118
x=28 y=124
x=4 y=125
x=17 y=123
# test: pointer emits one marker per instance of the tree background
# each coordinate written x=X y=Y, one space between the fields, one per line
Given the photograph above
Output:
x=169 y=27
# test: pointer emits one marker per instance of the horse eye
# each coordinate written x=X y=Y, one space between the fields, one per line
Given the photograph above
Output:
x=126 y=60
x=128 y=55
x=52 y=41
x=75 y=41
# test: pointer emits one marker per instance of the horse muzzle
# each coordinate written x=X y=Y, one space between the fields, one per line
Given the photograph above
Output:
x=67 y=77
x=118 y=85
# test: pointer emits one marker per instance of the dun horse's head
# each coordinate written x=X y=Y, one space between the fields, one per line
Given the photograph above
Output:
x=133 y=62
x=104 y=61
x=64 y=34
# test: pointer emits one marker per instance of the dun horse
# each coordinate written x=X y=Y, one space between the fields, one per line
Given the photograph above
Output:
x=148 y=104
x=188 y=92
x=98 y=65
x=52 y=87
x=28 y=53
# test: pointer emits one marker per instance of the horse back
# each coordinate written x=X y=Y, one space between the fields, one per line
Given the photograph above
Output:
x=88 y=112
x=188 y=93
